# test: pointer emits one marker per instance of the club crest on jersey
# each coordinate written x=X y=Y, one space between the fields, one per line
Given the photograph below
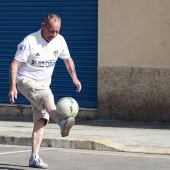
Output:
x=55 y=53
x=21 y=47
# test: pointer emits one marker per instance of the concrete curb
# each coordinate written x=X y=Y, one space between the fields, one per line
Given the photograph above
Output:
x=86 y=144
x=83 y=143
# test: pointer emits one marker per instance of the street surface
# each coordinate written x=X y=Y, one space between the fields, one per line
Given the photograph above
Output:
x=13 y=157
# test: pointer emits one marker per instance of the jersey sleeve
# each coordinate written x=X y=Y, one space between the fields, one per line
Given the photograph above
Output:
x=23 y=51
x=65 y=51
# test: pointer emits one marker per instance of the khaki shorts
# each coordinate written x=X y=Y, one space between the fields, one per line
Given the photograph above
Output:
x=35 y=93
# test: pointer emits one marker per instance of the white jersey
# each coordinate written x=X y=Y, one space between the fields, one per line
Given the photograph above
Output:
x=38 y=57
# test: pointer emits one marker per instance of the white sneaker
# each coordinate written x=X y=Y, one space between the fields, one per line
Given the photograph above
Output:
x=37 y=163
x=66 y=125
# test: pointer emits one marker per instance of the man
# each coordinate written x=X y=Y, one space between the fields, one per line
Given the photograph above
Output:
x=31 y=71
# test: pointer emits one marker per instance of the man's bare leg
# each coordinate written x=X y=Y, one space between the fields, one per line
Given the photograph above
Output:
x=37 y=135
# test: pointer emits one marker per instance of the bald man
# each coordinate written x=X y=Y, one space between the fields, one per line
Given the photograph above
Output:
x=30 y=73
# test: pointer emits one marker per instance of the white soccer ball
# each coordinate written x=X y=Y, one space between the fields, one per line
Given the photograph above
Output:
x=67 y=107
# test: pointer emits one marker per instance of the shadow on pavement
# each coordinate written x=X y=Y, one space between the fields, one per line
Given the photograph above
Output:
x=12 y=167
x=101 y=123
x=124 y=124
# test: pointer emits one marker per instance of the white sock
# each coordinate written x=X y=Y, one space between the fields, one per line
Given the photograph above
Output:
x=59 y=122
x=34 y=155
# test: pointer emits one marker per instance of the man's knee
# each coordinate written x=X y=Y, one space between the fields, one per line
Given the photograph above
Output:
x=41 y=122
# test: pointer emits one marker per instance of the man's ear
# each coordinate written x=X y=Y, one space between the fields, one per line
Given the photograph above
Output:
x=43 y=25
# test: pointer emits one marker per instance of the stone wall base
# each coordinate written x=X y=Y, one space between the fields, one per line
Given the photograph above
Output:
x=25 y=110
x=134 y=94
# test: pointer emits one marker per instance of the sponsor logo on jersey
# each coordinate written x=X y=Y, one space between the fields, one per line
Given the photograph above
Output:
x=55 y=53
x=33 y=62
x=43 y=63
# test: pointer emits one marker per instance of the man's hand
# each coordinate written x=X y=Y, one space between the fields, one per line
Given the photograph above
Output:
x=12 y=78
x=13 y=95
x=78 y=85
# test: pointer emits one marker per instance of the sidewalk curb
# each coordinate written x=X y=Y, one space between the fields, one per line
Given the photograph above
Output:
x=84 y=143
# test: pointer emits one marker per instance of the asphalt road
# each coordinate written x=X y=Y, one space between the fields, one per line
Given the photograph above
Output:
x=13 y=157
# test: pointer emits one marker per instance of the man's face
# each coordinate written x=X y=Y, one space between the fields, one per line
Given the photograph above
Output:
x=50 y=30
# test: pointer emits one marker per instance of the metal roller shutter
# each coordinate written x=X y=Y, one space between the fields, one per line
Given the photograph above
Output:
x=79 y=27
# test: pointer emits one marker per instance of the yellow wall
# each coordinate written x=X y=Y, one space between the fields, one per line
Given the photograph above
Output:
x=134 y=33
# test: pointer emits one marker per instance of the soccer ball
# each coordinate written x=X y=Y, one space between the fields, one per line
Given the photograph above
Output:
x=67 y=107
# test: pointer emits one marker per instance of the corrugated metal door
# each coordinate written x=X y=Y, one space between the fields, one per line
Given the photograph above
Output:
x=79 y=27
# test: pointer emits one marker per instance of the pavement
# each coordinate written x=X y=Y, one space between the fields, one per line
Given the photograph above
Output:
x=106 y=135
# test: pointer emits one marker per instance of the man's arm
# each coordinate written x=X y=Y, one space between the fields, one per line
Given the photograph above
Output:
x=12 y=79
x=71 y=69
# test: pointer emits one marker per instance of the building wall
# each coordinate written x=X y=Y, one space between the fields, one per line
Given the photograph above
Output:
x=79 y=28
x=134 y=60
